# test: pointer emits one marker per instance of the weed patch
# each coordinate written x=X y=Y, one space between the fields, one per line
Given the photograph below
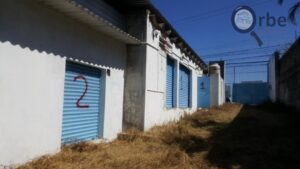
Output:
x=230 y=136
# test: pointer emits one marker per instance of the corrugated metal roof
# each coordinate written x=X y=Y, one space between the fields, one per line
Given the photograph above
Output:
x=106 y=11
x=86 y=16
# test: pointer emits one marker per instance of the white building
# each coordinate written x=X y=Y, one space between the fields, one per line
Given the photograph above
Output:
x=166 y=69
x=86 y=70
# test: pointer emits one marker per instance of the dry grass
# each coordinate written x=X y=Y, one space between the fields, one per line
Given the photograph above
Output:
x=223 y=137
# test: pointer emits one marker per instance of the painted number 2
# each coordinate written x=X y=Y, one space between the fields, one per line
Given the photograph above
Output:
x=84 y=93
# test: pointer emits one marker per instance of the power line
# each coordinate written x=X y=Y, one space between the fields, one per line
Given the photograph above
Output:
x=238 y=56
x=245 y=50
x=273 y=36
x=198 y=15
x=233 y=56
x=249 y=52
x=250 y=57
x=256 y=65
x=213 y=13
x=267 y=48
x=253 y=72
x=240 y=63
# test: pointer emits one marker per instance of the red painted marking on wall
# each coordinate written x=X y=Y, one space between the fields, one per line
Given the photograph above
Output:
x=84 y=93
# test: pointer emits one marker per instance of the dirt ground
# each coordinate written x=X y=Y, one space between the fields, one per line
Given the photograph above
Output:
x=231 y=136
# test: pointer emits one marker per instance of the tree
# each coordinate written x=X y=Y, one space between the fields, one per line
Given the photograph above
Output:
x=293 y=11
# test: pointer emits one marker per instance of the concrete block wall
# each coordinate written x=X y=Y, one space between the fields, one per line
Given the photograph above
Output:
x=35 y=41
x=289 y=76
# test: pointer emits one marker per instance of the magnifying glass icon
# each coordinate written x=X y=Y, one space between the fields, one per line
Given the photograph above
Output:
x=244 y=21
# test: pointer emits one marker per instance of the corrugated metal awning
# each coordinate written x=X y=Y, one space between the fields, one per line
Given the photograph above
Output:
x=86 y=16
x=160 y=20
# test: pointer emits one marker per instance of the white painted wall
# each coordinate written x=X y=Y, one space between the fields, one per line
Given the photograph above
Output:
x=32 y=42
x=217 y=90
x=222 y=98
x=155 y=111
x=113 y=113
x=31 y=103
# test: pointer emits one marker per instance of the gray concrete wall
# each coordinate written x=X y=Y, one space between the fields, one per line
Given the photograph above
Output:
x=134 y=97
x=34 y=42
x=135 y=74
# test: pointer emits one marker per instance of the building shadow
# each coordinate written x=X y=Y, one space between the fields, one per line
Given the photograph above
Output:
x=261 y=137
x=35 y=26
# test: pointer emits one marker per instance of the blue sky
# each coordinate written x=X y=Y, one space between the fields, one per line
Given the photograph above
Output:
x=206 y=26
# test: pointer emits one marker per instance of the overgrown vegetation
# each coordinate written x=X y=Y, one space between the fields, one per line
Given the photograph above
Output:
x=231 y=136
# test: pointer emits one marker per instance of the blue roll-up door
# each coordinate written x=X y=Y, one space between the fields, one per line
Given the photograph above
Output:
x=203 y=88
x=170 y=91
x=184 y=87
x=81 y=116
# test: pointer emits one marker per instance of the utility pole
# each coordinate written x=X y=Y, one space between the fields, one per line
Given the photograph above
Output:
x=234 y=74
